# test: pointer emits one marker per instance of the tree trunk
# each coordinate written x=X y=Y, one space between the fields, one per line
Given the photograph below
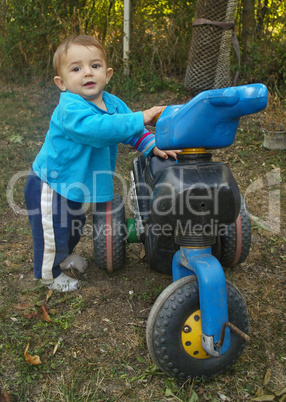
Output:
x=209 y=58
x=261 y=13
x=248 y=26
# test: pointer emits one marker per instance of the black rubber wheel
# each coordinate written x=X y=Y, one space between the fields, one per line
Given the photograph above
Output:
x=185 y=358
x=235 y=245
x=109 y=234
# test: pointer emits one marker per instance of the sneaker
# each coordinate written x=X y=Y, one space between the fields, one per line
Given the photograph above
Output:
x=63 y=283
x=74 y=261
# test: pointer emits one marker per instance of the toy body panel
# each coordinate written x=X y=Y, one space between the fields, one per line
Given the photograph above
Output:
x=210 y=119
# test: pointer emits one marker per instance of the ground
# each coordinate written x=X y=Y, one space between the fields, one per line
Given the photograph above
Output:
x=94 y=347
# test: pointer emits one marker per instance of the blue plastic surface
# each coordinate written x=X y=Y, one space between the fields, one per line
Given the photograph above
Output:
x=212 y=289
x=210 y=119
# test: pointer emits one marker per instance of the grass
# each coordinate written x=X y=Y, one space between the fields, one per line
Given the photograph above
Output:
x=94 y=348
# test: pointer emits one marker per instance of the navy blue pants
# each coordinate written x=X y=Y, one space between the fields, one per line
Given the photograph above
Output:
x=57 y=225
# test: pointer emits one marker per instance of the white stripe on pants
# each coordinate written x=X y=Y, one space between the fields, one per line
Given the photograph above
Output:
x=48 y=229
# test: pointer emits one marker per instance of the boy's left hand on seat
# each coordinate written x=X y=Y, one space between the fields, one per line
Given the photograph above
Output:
x=165 y=154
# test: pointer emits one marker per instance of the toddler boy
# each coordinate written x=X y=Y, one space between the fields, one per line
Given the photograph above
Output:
x=77 y=160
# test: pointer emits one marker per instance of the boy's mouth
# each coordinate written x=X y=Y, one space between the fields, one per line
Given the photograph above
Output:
x=89 y=83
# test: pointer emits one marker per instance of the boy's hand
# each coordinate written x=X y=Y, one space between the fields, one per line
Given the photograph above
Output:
x=150 y=114
x=166 y=154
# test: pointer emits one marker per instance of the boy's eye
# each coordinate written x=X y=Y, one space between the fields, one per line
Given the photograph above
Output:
x=95 y=65
x=76 y=69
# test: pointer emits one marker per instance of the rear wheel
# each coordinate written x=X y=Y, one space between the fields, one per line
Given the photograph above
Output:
x=235 y=244
x=109 y=234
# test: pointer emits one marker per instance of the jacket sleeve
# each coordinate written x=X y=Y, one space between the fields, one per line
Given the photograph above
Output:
x=145 y=144
x=85 y=126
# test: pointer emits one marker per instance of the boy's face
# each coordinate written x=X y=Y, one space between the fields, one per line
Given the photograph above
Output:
x=83 y=71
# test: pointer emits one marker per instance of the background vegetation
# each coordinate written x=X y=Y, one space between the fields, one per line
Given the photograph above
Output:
x=30 y=31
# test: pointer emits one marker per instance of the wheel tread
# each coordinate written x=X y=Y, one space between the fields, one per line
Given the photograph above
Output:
x=179 y=364
x=229 y=242
x=118 y=236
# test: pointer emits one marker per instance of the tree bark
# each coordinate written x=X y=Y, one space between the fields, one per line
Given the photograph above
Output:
x=248 y=26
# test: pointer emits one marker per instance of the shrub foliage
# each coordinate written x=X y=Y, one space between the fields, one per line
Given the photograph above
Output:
x=30 y=31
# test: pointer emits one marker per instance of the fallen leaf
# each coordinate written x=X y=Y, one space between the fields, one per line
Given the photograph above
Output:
x=22 y=306
x=4 y=397
x=55 y=349
x=280 y=391
x=49 y=294
x=35 y=360
x=264 y=398
x=259 y=391
x=57 y=345
x=223 y=397
x=267 y=377
x=142 y=253
x=46 y=312
x=30 y=315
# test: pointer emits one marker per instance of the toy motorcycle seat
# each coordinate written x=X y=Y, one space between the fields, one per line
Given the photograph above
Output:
x=155 y=167
x=210 y=119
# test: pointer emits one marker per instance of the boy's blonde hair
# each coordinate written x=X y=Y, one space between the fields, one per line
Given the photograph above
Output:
x=83 y=40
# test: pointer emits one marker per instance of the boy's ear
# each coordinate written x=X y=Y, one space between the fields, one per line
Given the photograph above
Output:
x=59 y=83
x=109 y=74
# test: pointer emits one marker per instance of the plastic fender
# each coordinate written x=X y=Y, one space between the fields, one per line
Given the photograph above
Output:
x=212 y=289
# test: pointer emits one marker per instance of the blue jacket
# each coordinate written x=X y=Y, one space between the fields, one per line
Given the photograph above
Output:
x=78 y=156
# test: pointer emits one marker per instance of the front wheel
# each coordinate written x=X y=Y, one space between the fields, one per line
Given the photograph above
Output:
x=180 y=354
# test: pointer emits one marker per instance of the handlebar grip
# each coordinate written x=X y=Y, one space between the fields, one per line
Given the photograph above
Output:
x=156 y=118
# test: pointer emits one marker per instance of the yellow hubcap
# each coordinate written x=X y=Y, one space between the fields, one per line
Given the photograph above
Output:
x=191 y=336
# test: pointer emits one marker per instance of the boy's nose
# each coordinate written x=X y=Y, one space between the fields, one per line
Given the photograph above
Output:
x=88 y=71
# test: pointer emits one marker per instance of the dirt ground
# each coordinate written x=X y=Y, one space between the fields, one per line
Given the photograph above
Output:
x=107 y=336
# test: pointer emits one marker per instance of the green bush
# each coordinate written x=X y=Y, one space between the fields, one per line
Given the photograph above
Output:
x=266 y=62
x=32 y=29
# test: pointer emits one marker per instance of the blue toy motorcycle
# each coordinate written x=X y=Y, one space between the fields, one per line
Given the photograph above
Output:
x=192 y=220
